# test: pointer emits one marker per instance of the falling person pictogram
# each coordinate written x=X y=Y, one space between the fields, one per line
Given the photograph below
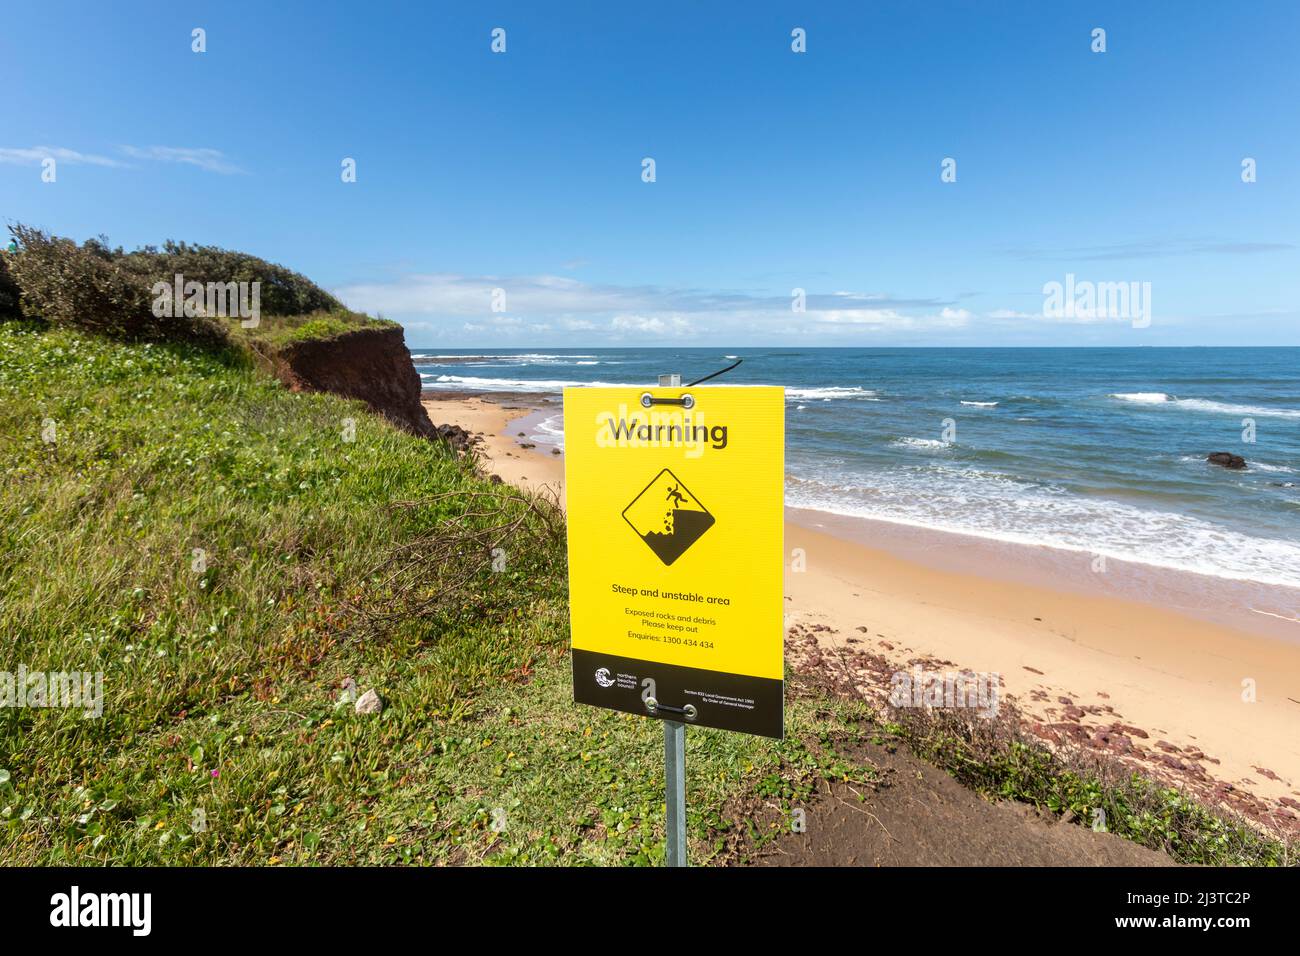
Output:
x=668 y=517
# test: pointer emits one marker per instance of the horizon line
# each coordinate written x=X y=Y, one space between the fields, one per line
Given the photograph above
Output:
x=741 y=348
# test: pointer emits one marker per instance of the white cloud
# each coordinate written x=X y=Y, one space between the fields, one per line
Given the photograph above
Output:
x=859 y=316
x=210 y=160
x=462 y=295
x=448 y=294
x=35 y=155
x=652 y=324
x=618 y=313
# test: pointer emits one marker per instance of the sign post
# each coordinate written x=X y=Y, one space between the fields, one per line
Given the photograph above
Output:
x=675 y=792
x=675 y=506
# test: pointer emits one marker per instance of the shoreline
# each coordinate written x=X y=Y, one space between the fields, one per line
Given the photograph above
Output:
x=1261 y=609
x=1133 y=662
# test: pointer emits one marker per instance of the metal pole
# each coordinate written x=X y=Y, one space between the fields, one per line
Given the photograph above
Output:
x=674 y=754
x=675 y=791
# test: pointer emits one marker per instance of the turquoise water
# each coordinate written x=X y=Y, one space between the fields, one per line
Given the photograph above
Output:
x=1095 y=450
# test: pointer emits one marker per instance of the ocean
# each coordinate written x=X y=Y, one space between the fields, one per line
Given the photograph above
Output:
x=1090 y=450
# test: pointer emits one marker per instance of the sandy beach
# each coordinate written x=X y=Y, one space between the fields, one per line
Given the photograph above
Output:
x=1190 y=698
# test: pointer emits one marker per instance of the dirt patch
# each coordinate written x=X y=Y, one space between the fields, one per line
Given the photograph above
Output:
x=917 y=815
x=1056 y=720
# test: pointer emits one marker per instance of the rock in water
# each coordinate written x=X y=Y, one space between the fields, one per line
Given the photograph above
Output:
x=1226 y=459
x=369 y=703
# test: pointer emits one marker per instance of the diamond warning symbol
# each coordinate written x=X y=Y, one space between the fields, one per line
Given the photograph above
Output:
x=667 y=517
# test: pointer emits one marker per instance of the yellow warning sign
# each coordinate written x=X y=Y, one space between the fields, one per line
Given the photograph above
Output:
x=675 y=516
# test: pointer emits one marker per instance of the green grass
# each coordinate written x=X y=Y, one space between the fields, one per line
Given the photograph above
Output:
x=220 y=677
x=281 y=330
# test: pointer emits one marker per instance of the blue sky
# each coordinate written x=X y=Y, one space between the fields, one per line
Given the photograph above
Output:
x=775 y=171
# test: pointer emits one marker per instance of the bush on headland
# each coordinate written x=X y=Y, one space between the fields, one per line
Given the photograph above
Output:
x=10 y=307
x=84 y=286
x=222 y=301
x=283 y=291
x=109 y=291
x=9 y=294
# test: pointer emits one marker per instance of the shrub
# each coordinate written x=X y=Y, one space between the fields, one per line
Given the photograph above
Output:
x=110 y=291
x=283 y=291
x=84 y=286
x=9 y=294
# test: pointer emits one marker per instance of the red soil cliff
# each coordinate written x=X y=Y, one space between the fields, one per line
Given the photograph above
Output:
x=373 y=365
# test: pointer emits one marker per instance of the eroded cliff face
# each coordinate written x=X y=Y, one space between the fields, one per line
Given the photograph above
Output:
x=373 y=365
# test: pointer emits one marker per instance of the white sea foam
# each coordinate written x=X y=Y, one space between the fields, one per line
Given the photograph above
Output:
x=1225 y=408
x=980 y=404
x=831 y=392
x=482 y=384
x=549 y=431
x=1145 y=398
x=517 y=356
x=491 y=384
x=928 y=443
x=1021 y=512
x=1205 y=405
